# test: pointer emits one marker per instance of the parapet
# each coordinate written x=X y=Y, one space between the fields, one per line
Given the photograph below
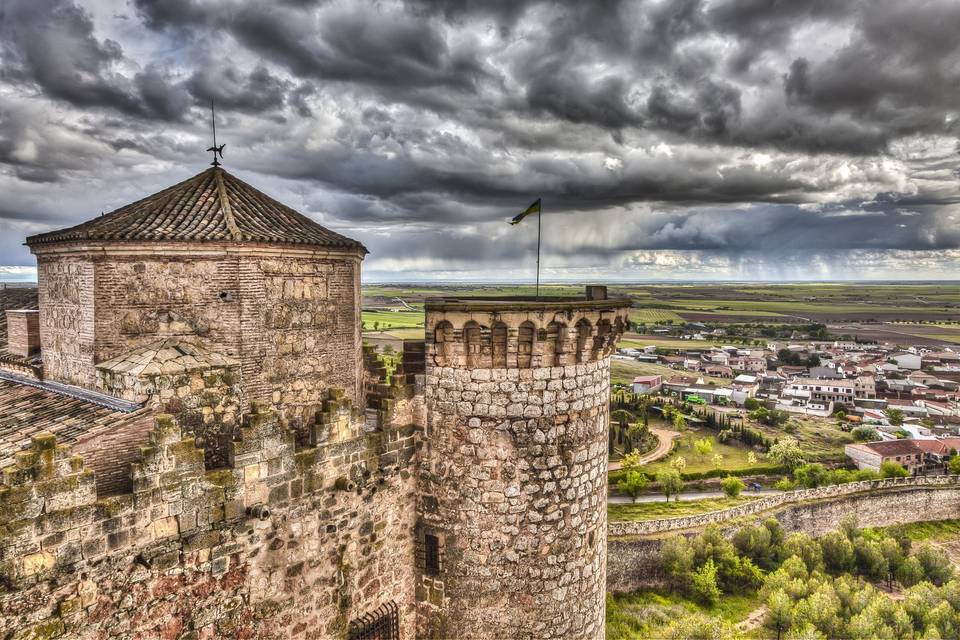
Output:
x=518 y=332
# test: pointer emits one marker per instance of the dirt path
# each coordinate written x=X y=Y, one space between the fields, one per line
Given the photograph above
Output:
x=664 y=446
x=752 y=621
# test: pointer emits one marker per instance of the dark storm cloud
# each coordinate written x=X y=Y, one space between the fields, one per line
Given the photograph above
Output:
x=688 y=121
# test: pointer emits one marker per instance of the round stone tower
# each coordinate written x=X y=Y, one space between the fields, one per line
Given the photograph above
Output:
x=513 y=485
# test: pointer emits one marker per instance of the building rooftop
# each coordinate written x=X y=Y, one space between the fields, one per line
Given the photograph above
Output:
x=27 y=408
x=212 y=206
x=891 y=447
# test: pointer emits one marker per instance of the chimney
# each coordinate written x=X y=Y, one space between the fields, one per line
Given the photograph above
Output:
x=596 y=292
x=23 y=332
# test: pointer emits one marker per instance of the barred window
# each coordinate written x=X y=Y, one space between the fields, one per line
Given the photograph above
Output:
x=431 y=554
x=382 y=623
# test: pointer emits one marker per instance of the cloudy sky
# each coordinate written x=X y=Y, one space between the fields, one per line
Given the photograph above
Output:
x=678 y=139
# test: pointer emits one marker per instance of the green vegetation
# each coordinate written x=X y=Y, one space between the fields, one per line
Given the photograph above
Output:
x=734 y=453
x=383 y=320
x=824 y=587
x=640 y=511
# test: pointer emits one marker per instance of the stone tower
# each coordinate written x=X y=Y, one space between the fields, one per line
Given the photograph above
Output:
x=512 y=491
x=209 y=263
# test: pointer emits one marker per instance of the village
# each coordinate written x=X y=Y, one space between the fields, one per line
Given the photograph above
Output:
x=899 y=403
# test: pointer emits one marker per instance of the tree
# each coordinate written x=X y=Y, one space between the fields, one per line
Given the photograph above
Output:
x=787 y=453
x=811 y=475
x=717 y=461
x=870 y=559
x=751 y=458
x=670 y=482
x=633 y=484
x=751 y=404
x=779 y=612
x=891 y=469
x=910 y=572
x=705 y=587
x=837 y=550
x=676 y=560
x=704 y=447
x=865 y=434
x=679 y=463
x=732 y=486
x=894 y=416
x=631 y=461
x=954 y=464
x=935 y=564
x=679 y=422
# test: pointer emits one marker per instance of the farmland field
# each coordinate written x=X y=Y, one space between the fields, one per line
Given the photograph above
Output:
x=902 y=313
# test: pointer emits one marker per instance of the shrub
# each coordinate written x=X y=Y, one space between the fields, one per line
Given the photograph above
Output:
x=732 y=486
x=865 y=434
x=705 y=587
x=891 y=469
x=633 y=484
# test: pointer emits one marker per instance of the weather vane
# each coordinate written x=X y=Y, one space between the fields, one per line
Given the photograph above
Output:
x=217 y=151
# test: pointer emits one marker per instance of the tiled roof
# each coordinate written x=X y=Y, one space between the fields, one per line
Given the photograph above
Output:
x=212 y=206
x=892 y=447
x=27 y=410
x=171 y=355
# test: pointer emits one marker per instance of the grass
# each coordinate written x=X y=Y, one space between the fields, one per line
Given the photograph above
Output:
x=734 y=455
x=933 y=531
x=391 y=319
x=656 y=510
x=645 y=615
x=820 y=438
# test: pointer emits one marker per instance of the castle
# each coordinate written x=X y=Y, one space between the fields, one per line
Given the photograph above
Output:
x=195 y=443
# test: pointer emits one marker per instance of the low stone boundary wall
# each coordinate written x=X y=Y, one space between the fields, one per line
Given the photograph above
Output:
x=759 y=505
x=633 y=548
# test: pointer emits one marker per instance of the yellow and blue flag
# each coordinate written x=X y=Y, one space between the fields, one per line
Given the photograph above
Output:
x=534 y=208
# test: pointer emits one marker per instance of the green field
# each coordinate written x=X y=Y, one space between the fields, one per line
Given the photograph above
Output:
x=657 y=510
x=382 y=320
x=882 y=312
x=667 y=343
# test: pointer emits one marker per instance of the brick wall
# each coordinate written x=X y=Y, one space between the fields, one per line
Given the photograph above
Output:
x=23 y=331
x=66 y=300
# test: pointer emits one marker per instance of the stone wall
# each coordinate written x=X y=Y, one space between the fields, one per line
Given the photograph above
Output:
x=633 y=548
x=512 y=490
x=292 y=317
x=286 y=542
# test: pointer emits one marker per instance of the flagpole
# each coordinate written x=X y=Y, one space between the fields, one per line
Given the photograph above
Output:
x=539 y=216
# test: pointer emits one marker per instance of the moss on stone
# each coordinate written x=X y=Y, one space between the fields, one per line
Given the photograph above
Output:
x=221 y=477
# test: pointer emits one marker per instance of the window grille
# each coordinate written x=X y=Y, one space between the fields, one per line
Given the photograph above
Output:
x=431 y=556
x=383 y=623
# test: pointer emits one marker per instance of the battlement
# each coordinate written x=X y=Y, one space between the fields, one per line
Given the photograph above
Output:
x=523 y=332
x=240 y=537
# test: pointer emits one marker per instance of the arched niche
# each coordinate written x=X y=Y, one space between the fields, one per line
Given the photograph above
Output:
x=498 y=345
x=443 y=343
x=555 y=344
x=526 y=338
x=473 y=344
x=584 y=331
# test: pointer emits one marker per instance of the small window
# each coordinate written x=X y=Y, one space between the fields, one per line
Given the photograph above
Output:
x=431 y=554
x=380 y=624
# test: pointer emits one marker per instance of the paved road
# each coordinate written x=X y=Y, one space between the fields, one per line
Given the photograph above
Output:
x=664 y=446
x=686 y=495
